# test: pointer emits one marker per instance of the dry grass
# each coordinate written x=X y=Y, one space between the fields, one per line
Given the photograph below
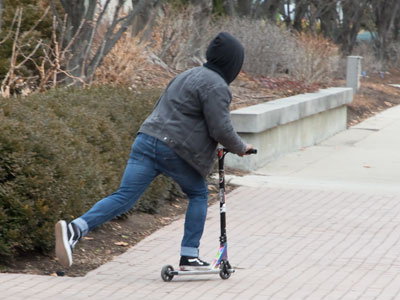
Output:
x=130 y=64
x=315 y=59
x=369 y=62
x=270 y=51
x=273 y=51
x=267 y=46
x=170 y=38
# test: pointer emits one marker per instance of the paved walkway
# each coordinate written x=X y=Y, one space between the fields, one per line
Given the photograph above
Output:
x=322 y=223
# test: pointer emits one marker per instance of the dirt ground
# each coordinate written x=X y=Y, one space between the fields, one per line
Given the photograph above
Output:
x=115 y=237
x=375 y=95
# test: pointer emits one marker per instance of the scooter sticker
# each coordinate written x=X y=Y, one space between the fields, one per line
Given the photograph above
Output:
x=222 y=195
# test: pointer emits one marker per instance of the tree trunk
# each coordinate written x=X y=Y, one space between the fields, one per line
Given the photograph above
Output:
x=229 y=7
x=192 y=54
x=313 y=13
x=270 y=8
x=244 y=8
x=86 y=47
x=1 y=14
x=299 y=14
x=285 y=11
x=329 y=20
x=386 y=12
x=396 y=29
x=143 y=22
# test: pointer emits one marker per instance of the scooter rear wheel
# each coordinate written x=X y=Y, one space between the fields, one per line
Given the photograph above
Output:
x=166 y=273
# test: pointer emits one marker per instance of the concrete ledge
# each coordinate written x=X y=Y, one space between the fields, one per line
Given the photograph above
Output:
x=288 y=124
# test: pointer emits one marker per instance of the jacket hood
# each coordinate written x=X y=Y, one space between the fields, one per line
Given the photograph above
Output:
x=225 y=55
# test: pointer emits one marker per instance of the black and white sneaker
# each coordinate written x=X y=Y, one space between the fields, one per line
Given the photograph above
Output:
x=66 y=238
x=188 y=263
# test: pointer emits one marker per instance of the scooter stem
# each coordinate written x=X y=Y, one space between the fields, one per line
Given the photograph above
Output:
x=221 y=155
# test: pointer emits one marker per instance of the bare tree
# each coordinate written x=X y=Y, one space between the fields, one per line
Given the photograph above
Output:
x=85 y=20
x=244 y=7
x=396 y=29
x=1 y=13
x=143 y=22
x=350 y=25
x=301 y=7
x=201 y=15
x=270 y=8
x=386 y=13
x=19 y=57
x=230 y=7
x=286 y=12
x=329 y=18
x=339 y=20
x=191 y=53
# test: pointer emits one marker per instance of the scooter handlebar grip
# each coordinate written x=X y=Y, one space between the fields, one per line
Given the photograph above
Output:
x=251 y=151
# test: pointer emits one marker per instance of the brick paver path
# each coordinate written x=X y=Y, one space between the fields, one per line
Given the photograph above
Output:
x=285 y=244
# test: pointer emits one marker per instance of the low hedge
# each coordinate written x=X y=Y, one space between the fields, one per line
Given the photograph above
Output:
x=62 y=151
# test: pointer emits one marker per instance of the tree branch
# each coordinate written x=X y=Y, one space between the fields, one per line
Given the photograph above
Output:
x=27 y=33
x=29 y=56
x=90 y=12
x=94 y=30
x=73 y=39
x=55 y=13
x=1 y=14
x=111 y=39
x=11 y=27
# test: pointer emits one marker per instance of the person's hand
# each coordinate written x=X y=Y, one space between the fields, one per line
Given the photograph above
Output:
x=248 y=147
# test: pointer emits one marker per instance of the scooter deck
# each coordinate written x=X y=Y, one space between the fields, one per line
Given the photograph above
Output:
x=200 y=272
x=168 y=272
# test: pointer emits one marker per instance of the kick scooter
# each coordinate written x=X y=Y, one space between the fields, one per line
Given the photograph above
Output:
x=220 y=264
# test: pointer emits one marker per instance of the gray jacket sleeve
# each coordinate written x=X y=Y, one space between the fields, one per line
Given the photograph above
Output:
x=217 y=115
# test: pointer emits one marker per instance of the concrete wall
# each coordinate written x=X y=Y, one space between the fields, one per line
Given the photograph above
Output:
x=285 y=125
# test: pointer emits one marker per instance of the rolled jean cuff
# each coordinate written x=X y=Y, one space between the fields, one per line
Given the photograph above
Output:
x=82 y=225
x=189 y=251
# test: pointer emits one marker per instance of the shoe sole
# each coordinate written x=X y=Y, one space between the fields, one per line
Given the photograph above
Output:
x=193 y=268
x=63 y=249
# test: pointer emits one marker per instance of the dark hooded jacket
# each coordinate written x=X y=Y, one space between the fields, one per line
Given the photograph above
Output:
x=192 y=115
x=225 y=56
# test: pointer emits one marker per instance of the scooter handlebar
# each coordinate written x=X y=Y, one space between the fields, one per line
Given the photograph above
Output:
x=251 y=151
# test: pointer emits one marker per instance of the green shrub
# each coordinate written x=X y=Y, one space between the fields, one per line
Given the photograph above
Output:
x=62 y=151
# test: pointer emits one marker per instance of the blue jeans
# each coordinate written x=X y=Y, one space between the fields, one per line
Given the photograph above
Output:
x=150 y=157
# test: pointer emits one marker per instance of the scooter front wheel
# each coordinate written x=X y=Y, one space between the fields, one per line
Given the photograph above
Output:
x=224 y=272
x=166 y=273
